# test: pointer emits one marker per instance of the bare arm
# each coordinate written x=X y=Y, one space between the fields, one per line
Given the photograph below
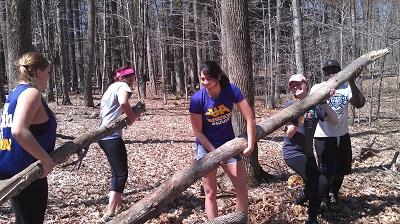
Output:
x=357 y=99
x=28 y=106
x=197 y=126
x=331 y=115
x=248 y=114
x=123 y=99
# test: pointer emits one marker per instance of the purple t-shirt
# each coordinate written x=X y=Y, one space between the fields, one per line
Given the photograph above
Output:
x=302 y=141
x=216 y=113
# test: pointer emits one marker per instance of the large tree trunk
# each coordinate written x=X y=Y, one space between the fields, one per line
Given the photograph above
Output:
x=237 y=43
x=78 y=45
x=298 y=35
x=88 y=96
x=71 y=45
x=196 y=12
x=19 y=36
x=151 y=206
x=14 y=185
x=62 y=51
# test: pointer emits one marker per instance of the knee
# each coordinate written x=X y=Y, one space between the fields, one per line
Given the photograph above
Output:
x=210 y=194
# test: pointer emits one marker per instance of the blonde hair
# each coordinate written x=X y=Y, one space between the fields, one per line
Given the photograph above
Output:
x=29 y=63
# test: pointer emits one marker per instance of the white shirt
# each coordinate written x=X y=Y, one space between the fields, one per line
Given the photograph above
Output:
x=340 y=104
x=110 y=109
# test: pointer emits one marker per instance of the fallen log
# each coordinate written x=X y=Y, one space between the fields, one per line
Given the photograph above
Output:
x=233 y=218
x=359 y=151
x=151 y=206
x=14 y=185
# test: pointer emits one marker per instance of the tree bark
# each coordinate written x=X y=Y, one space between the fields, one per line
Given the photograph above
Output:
x=298 y=35
x=62 y=51
x=237 y=43
x=14 y=185
x=151 y=206
x=196 y=12
x=71 y=45
x=88 y=96
x=19 y=36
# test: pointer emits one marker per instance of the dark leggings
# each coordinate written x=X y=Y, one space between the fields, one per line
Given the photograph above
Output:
x=117 y=158
x=334 y=161
x=315 y=183
x=30 y=205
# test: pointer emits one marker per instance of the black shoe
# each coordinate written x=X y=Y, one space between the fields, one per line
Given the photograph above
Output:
x=301 y=198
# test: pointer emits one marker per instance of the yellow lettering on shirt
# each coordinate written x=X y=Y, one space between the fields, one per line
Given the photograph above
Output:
x=5 y=144
x=216 y=111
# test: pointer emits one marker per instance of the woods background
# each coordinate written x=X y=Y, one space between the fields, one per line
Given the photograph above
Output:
x=258 y=43
x=166 y=41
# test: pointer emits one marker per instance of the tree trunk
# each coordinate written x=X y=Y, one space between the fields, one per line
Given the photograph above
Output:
x=277 y=93
x=71 y=45
x=298 y=35
x=235 y=14
x=196 y=13
x=19 y=36
x=62 y=51
x=356 y=53
x=88 y=96
x=78 y=46
x=152 y=77
x=104 y=71
x=3 y=53
x=152 y=205
x=13 y=186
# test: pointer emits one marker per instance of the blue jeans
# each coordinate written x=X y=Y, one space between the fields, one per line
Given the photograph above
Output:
x=201 y=152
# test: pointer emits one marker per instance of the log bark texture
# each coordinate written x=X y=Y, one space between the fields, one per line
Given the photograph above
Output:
x=151 y=206
x=14 y=185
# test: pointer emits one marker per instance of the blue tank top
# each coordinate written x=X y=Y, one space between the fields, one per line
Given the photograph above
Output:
x=14 y=158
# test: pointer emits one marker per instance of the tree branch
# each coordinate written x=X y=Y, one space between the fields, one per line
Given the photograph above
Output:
x=151 y=206
x=14 y=185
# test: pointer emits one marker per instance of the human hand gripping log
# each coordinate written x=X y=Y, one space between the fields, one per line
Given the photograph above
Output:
x=13 y=186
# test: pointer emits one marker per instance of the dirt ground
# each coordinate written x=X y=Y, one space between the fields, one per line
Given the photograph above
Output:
x=161 y=144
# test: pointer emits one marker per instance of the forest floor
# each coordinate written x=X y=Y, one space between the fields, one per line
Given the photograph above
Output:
x=161 y=144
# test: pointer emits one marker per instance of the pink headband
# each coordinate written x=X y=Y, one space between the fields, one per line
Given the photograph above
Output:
x=125 y=72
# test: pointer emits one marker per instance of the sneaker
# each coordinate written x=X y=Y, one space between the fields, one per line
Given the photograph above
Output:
x=326 y=200
x=106 y=218
x=333 y=198
x=301 y=198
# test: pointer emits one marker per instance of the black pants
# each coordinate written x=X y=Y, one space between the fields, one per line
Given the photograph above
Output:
x=117 y=158
x=30 y=205
x=334 y=161
x=315 y=183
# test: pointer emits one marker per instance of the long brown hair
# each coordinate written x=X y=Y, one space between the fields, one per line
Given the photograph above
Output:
x=213 y=70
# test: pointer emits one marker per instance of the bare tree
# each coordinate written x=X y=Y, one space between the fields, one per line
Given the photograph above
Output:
x=88 y=96
x=19 y=35
x=298 y=35
x=235 y=14
x=62 y=51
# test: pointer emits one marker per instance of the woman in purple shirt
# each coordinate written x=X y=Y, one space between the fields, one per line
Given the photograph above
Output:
x=210 y=114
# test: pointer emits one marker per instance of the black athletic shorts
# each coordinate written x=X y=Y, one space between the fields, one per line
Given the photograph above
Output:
x=334 y=159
